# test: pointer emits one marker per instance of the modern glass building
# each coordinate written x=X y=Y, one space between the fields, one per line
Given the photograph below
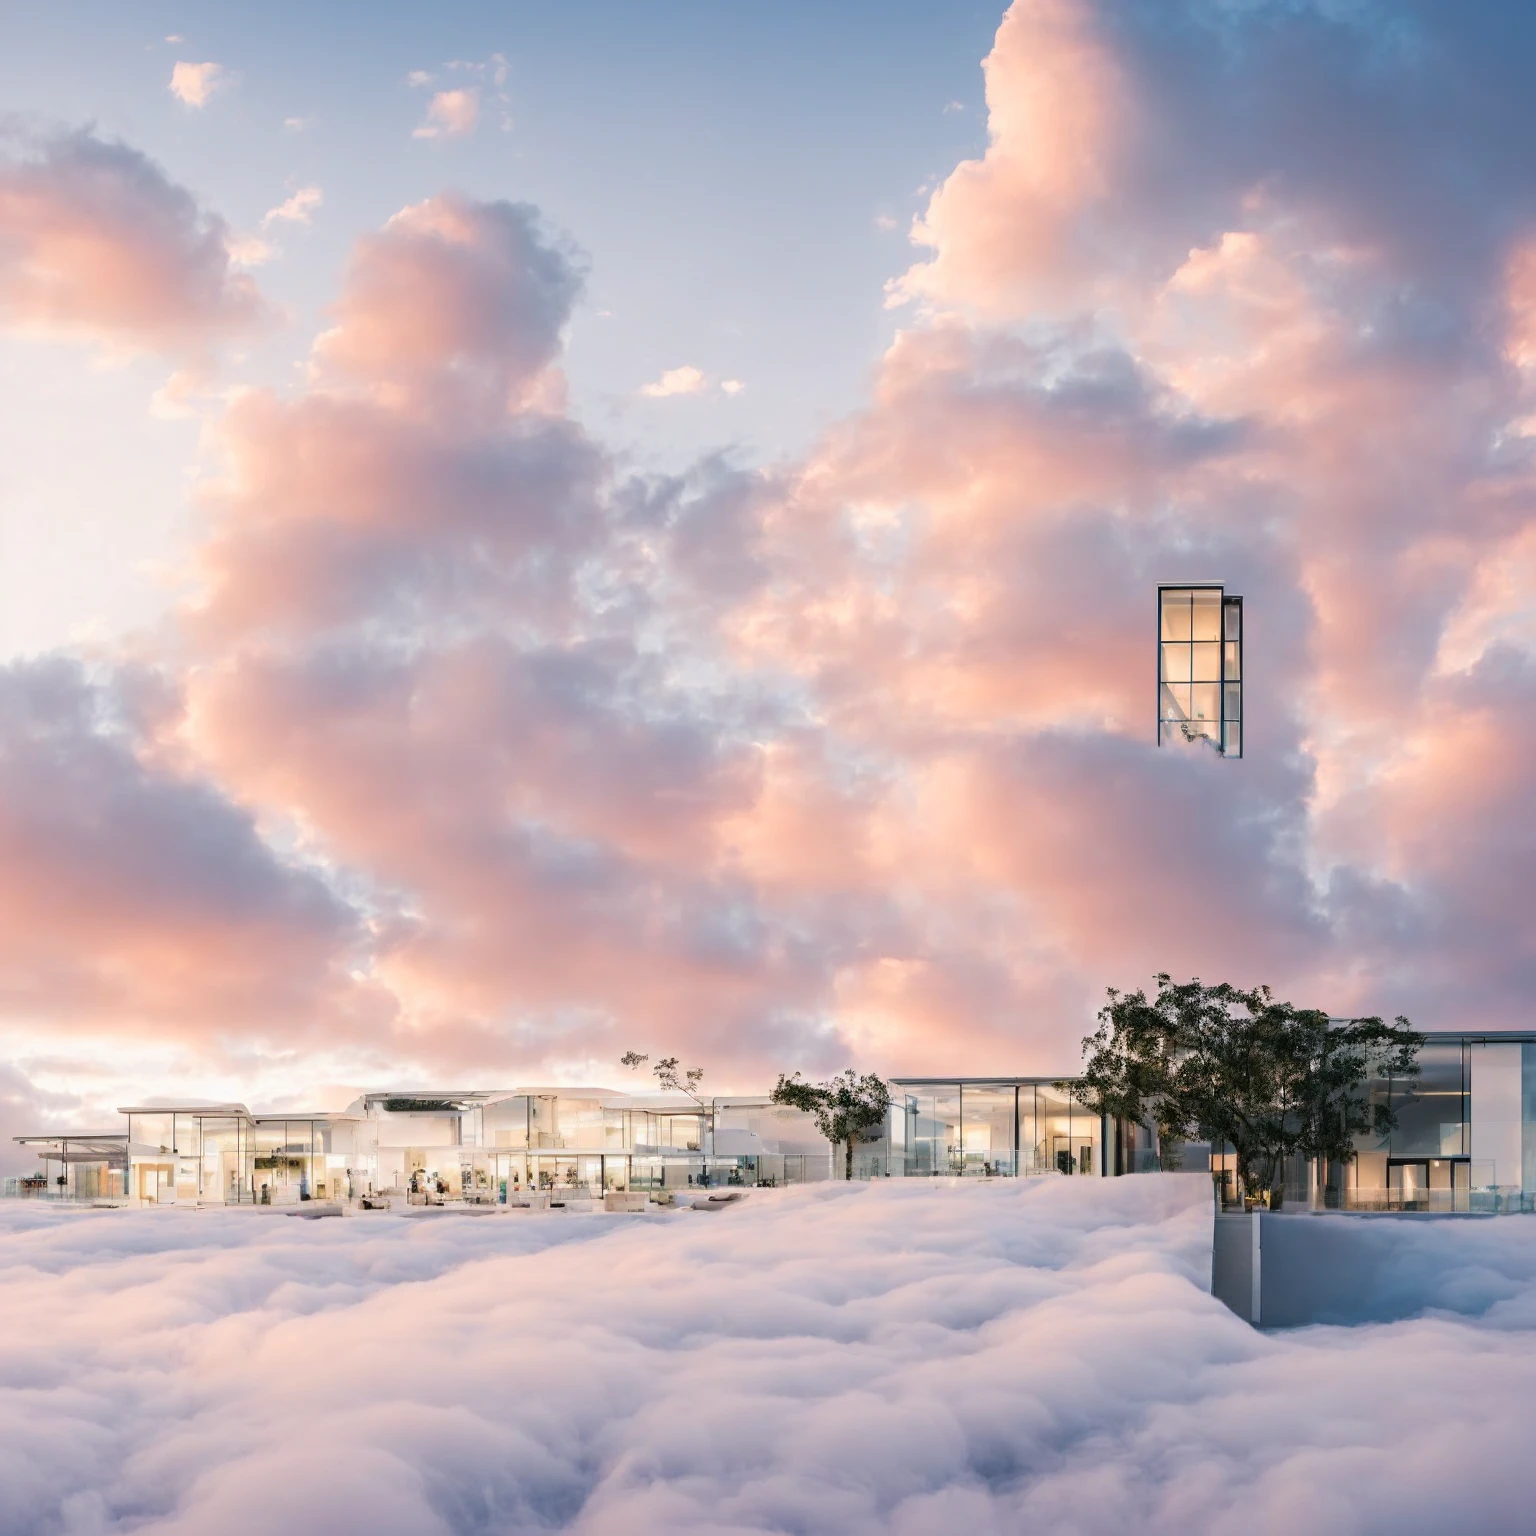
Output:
x=1465 y=1136
x=464 y=1145
x=1200 y=666
x=1465 y=1140
x=1001 y=1128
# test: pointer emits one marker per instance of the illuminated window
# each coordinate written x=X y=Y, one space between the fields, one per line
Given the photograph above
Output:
x=1200 y=666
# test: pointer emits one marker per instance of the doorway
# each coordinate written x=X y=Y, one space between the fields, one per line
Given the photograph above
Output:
x=157 y=1183
x=1429 y=1183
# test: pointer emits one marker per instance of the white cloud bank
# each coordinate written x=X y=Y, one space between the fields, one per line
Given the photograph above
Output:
x=902 y=1358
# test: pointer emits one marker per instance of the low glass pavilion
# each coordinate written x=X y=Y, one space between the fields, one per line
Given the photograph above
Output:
x=991 y=1128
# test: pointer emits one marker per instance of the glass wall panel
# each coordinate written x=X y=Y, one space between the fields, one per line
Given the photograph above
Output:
x=580 y=1122
x=919 y=1143
x=948 y=1157
x=1205 y=663
x=1528 y=1120
x=933 y=1129
x=1205 y=619
x=1494 y=1105
x=223 y=1173
x=1086 y=1134
x=543 y=1130
x=1176 y=663
x=153 y=1131
x=283 y=1167
x=1432 y=1109
x=987 y=1129
x=1055 y=1147
x=685 y=1132
x=1176 y=614
x=1175 y=701
x=1027 y=1134
x=1205 y=701
x=506 y=1122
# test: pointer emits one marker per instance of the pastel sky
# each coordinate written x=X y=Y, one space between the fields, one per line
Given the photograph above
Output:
x=526 y=533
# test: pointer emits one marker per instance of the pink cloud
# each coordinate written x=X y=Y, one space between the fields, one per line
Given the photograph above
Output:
x=453 y=297
x=451 y=114
x=856 y=755
x=1011 y=228
x=96 y=242
x=194 y=84
x=135 y=892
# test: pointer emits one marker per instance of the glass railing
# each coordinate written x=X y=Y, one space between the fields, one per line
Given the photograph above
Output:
x=1479 y=1195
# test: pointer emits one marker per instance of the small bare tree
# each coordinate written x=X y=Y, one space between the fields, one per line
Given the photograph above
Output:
x=671 y=1076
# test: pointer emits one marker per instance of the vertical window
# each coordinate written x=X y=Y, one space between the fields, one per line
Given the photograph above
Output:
x=1232 y=676
x=1199 y=678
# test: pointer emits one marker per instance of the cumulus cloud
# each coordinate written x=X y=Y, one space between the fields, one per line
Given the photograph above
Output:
x=853 y=757
x=489 y=294
x=26 y=1110
x=873 y=1359
x=1116 y=144
x=131 y=889
x=98 y=242
x=195 y=84
x=450 y=114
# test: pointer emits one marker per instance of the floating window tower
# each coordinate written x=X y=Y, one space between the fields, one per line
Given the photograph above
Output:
x=1200 y=666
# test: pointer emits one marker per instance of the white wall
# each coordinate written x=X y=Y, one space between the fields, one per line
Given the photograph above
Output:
x=1496 y=1110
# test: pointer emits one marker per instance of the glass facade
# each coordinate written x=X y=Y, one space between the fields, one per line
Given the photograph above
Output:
x=1465 y=1139
x=1200 y=666
x=994 y=1129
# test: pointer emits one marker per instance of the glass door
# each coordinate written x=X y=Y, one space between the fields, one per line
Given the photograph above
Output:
x=1408 y=1185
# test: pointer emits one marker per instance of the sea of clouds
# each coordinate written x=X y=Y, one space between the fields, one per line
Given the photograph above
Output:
x=909 y=1358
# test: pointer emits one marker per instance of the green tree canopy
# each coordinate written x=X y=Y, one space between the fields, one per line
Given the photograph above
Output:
x=1220 y=1064
x=847 y=1108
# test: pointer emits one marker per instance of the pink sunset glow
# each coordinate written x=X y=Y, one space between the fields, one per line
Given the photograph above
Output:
x=465 y=745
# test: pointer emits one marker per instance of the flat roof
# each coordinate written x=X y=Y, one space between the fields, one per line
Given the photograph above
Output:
x=1001 y=1081
x=190 y=1107
x=75 y=1136
x=302 y=1114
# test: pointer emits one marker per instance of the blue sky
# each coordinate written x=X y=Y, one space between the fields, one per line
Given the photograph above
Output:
x=741 y=182
x=361 y=719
